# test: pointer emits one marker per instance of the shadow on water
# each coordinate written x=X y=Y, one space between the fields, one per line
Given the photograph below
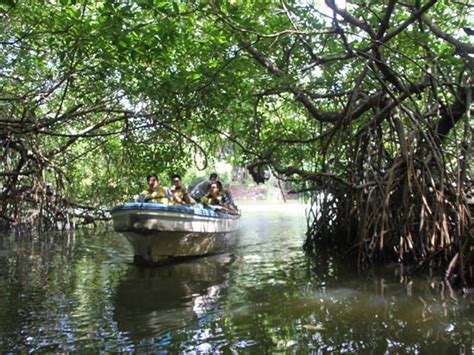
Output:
x=153 y=300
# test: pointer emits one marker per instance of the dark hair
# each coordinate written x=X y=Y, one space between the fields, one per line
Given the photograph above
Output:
x=152 y=175
x=213 y=175
x=176 y=176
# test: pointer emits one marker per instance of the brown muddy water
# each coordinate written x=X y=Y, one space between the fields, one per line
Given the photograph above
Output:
x=78 y=292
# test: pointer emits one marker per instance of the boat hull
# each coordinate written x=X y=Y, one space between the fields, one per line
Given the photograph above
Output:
x=161 y=233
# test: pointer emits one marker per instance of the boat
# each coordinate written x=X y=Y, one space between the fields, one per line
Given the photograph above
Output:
x=161 y=233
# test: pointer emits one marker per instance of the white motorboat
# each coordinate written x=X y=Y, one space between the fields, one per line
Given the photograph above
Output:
x=161 y=233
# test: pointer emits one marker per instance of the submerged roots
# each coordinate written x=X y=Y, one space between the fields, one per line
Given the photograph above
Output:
x=412 y=209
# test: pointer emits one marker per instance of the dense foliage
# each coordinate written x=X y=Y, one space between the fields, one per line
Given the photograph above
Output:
x=366 y=101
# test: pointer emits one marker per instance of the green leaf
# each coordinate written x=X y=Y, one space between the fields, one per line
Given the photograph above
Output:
x=10 y=3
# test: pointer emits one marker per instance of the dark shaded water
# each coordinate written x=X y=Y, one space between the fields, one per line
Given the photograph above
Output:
x=78 y=291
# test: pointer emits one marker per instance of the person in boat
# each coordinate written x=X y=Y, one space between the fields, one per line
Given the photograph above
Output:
x=227 y=196
x=214 y=196
x=155 y=193
x=178 y=194
x=202 y=188
x=198 y=191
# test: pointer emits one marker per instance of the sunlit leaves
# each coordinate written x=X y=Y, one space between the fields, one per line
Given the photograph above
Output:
x=177 y=66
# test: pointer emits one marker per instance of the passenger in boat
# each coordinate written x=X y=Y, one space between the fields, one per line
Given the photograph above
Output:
x=201 y=188
x=227 y=196
x=213 y=178
x=214 y=196
x=178 y=194
x=155 y=193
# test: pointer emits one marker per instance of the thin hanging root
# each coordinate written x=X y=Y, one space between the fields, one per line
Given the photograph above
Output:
x=403 y=206
x=452 y=264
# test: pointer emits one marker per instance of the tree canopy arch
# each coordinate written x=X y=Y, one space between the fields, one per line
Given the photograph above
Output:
x=366 y=101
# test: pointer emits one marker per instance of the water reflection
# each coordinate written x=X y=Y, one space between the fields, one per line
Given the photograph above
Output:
x=351 y=314
x=78 y=292
x=376 y=313
x=55 y=290
x=150 y=301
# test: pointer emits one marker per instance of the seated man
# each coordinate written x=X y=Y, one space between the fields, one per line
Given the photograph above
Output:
x=213 y=196
x=200 y=189
x=178 y=194
x=226 y=195
x=155 y=193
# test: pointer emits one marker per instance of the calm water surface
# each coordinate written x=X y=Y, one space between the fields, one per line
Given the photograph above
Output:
x=78 y=291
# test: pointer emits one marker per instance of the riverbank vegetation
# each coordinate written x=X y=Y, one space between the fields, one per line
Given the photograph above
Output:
x=364 y=104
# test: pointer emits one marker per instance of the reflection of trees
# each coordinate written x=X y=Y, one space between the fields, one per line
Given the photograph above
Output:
x=55 y=290
x=330 y=307
x=59 y=296
x=151 y=301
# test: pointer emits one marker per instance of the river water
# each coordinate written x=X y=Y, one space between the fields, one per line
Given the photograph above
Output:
x=78 y=291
